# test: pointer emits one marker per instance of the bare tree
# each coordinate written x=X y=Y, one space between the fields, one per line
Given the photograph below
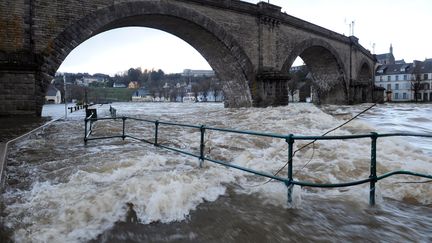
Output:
x=416 y=86
x=293 y=85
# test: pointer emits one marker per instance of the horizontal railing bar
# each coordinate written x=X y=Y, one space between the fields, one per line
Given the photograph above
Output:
x=178 y=150
x=333 y=185
x=247 y=170
x=247 y=132
x=104 y=118
x=179 y=124
x=337 y=137
x=100 y=138
x=139 y=119
x=403 y=172
x=405 y=135
x=139 y=139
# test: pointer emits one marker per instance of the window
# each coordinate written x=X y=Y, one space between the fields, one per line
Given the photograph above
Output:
x=396 y=97
x=388 y=78
x=425 y=76
x=404 y=96
x=396 y=86
x=397 y=77
x=388 y=86
x=381 y=79
x=405 y=77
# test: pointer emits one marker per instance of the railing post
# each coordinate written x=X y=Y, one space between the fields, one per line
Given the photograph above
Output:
x=290 y=142
x=85 y=131
x=124 y=124
x=202 y=146
x=373 y=175
x=156 y=133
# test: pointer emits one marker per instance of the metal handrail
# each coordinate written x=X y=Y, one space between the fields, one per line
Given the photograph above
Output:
x=4 y=146
x=290 y=139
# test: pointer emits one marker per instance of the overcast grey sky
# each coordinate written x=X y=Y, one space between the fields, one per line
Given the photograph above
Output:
x=404 y=24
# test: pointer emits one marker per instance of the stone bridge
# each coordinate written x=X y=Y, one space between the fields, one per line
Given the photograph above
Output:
x=250 y=46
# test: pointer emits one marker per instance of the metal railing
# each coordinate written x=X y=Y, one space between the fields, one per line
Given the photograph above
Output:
x=290 y=139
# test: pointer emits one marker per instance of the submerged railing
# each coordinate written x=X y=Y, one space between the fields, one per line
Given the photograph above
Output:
x=290 y=140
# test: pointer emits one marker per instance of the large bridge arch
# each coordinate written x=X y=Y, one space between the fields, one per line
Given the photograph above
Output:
x=326 y=67
x=213 y=42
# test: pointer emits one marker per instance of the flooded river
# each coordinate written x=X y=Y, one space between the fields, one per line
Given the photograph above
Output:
x=58 y=190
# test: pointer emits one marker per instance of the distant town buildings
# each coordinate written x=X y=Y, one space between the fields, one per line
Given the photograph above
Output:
x=404 y=81
x=198 y=73
x=86 y=81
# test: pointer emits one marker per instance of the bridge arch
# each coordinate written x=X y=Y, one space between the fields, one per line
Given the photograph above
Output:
x=360 y=88
x=366 y=73
x=326 y=67
x=215 y=44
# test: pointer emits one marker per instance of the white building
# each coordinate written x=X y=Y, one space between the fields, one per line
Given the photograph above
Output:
x=198 y=73
x=53 y=95
x=86 y=81
x=400 y=81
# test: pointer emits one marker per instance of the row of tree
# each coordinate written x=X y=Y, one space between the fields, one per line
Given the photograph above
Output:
x=154 y=81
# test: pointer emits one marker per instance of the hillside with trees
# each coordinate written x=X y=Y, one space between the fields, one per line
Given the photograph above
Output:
x=99 y=87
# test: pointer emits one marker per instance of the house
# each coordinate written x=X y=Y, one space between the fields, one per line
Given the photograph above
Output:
x=406 y=82
x=142 y=95
x=133 y=85
x=53 y=95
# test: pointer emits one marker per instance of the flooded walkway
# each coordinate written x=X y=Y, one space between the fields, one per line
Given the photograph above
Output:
x=78 y=193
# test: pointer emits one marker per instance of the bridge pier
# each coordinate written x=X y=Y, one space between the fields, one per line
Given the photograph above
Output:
x=22 y=91
x=271 y=89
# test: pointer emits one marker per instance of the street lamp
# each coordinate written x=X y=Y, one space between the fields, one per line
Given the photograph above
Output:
x=64 y=84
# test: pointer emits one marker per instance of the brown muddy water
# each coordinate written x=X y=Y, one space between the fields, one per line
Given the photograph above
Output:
x=58 y=190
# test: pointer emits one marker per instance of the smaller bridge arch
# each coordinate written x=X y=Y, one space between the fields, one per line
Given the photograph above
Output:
x=326 y=68
x=362 y=83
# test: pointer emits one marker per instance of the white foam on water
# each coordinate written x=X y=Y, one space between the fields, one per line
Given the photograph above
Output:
x=165 y=186
x=91 y=202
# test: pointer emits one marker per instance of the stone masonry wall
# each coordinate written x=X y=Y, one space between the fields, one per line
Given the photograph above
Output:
x=17 y=96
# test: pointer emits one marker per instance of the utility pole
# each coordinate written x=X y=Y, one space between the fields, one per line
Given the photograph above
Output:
x=64 y=84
